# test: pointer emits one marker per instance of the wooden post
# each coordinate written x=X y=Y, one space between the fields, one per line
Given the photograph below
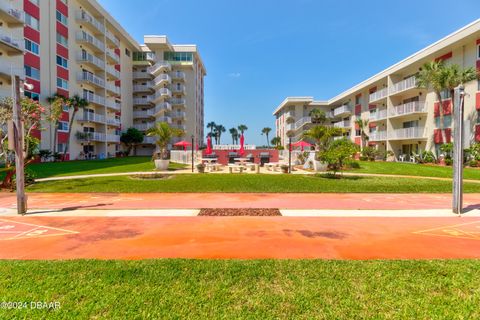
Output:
x=18 y=144
x=458 y=150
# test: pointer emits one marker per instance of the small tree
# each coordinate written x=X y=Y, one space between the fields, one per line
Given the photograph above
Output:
x=234 y=133
x=266 y=131
x=211 y=125
x=277 y=141
x=131 y=138
x=56 y=102
x=218 y=130
x=318 y=116
x=164 y=134
x=338 y=153
x=322 y=136
x=75 y=103
x=242 y=128
x=362 y=125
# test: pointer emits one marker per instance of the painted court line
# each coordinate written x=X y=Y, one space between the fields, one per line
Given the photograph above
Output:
x=34 y=231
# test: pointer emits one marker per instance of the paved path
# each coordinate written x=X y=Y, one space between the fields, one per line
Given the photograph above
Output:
x=337 y=201
x=34 y=237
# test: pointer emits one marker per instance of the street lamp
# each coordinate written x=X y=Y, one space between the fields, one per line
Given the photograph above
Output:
x=193 y=139
x=457 y=202
x=289 y=154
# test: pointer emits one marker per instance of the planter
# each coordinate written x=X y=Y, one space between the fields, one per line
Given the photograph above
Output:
x=201 y=168
x=320 y=166
x=161 y=165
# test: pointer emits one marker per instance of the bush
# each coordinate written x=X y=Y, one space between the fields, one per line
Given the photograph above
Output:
x=302 y=157
x=338 y=153
x=426 y=157
x=473 y=163
x=29 y=178
x=370 y=153
x=354 y=165
x=448 y=161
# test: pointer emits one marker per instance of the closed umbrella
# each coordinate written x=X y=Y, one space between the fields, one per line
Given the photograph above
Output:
x=209 y=145
x=242 y=142
x=301 y=144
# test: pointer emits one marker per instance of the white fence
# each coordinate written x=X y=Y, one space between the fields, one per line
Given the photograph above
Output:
x=185 y=157
x=233 y=147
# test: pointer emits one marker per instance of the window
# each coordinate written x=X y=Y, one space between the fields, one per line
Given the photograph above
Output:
x=61 y=18
x=32 y=47
x=32 y=72
x=32 y=21
x=478 y=52
x=62 y=83
x=178 y=56
x=62 y=62
x=358 y=100
x=61 y=147
x=445 y=94
x=63 y=126
x=65 y=108
x=127 y=52
x=32 y=95
x=358 y=132
x=62 y=40
x=410 y=124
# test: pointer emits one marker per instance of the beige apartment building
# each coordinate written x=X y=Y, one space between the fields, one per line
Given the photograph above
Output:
x=401 y=117
x=75 y=47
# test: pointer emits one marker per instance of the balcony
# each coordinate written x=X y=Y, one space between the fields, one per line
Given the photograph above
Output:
x=165 y=119
x=143 y=126
x=302 y=122
x=11 y=45
x=90 y=41
x=140 y=88
x=114 y=73
x=111 y=121
x=162 y=107
x=378 y=136
x=289 y=114
x=344 y=124
x=149 y=140
x=92 y=117
x=179 y=126
x=379 y=114
x=179 y=90
x=90 y=78
x=378 y=95
x=83 y=16
x=408 y=108
x=93 y=98
x=177 y=102
x=90 y=136
x=178 y=75
x=89 y=59
x=409 y=83
x=290 y=127
x=178 y=115
x=110 y=37
x=139 y=75
x=112 y=57
x=159 y=66
x=162 y=79
x=342 y=111
x=144 y=114
x=112 y=104
x=142 y=101
x=112 y=138
x=113 y=89
x=6 y=70
x=407 y=133
x=162 y=93
x=13 y=16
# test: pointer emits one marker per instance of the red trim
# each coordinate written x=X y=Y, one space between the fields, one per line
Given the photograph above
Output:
x=32 y=60
x=63 y=30
x=62 y=137
x=118 y=83
x=358 y=95
x=358 y=140
x=477 y=102
x=117 y=51
x=372 y=125
x=372 y=106
x=448 y=135
x=478 y=41
x=447 y=107
x=117 y=67
x=35 y=83
x=358 y=109
x=31 y=34
x=63 y=92
x=62 y=7
x=436 y=109
x=62 y=51
x=437 y=136
x=478 y=65
x=444 y=57
x=36 y=133
x=62 y=73
x=357 y=127
x=31 y=9
x=477 y=133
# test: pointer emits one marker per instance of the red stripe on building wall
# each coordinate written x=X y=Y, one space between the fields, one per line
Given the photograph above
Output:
x=62 y=7
x=117 y=51
x=358 y=141
x=118 y=83
x=62 y=51
x=62 y=137
x=372 y=106
x=31 y=9
x=444 y=57
x=448 y=135
x=436 y=109
x=31 y=34
x=477 y=102
x=36 y=134
x=478 y=65
x=61 y=29
x=437 y=136
x=358 y=109
x=35 y=83
x=477 y=133
x=447 y=107
x=62 y=73
x=32 y=60
x=63 y=92
x=372 y=125
x=117 y=67
x=478 y=41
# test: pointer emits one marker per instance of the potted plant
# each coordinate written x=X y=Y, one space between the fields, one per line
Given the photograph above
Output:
x=164 y=134
x=284 y=168
x=201 y=168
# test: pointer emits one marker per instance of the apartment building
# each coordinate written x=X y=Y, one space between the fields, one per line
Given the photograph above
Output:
x=75 y=47
x=401 y=117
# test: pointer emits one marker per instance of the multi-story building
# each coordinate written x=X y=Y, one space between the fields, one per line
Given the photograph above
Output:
x=75 y=47
x=401 y=117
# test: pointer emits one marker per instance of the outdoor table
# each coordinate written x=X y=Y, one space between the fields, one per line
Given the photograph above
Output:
x=242 y=160
x=209 y=163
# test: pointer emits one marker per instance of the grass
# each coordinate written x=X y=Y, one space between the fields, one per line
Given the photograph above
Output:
x=410 y=169
x=250 y=183
x=266 y=289
x=112 y=165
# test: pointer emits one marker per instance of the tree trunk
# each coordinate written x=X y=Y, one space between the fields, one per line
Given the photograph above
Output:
x=69 y=134
x=268 y=142
x=55 y=133
x=440 y=110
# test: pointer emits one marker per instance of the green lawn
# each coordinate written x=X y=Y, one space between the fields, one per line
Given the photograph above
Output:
x=248 y=183
x=267 y=289
x=113 y=165
x=411 y=169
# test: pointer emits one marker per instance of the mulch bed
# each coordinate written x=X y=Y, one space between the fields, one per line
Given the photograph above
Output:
x=240 y=212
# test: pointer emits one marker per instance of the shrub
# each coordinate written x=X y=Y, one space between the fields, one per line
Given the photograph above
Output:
x=29 y=178
x=370 y=153
x=302 y=157
x=473 y=163
x=448 y=161
x=338 y=153
x=354 y=165
x=426 y=157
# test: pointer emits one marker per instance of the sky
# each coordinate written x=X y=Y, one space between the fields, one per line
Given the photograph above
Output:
x=259 y=52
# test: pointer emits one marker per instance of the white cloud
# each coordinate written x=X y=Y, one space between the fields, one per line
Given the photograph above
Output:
x=234 y=75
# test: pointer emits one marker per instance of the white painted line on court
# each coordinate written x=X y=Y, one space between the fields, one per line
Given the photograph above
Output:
x=107 y=213
x=377 y=213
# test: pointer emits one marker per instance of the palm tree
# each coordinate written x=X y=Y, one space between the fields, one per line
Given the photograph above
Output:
x=318 y=116
x=242 y=128
x=276 y=141
x=234 y=133
x=56 y=102
x=219 y=129
x=211 y=126
x=164 y=134
x=76 y=103
x=362 y=125
x=266 y=131
x=322 y=136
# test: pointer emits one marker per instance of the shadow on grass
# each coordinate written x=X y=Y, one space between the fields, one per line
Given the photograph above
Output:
x=338 y=176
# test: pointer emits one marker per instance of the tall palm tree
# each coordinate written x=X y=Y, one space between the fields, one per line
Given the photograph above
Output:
x=276 y=141
x=164 y=134
x=75 y=103
x=322 y=136
x=56 y=102
x=266 y=131
x=362 y=125
x=211 y=126
x=219 y=129
x=242 y=128
x=234 y=133
x=318 y=116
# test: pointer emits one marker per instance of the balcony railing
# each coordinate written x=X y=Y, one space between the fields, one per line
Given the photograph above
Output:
x=149 y=140
x=144 y=113
x=85 y=57
x=162 y=107
x=162 y=78
x=407 y=133
x=92 y=117
x=113 y=56
x=7 y=69
x=345 y=109
x=290 y=126
x=90 y=136
x=179 y=126
x=12 y=14
x=303 y=121
x=378 y=135
x=142 y=87
x=180 y=89
x=112 y=138
x=16 y=44
x=406 y=84
x=380 y=114
x=113 y=88
x=342 y=124
x=178 y=115
x=113 y=121
x=88 y=77
x=110 y=36
x=378 y=95
x=162 y=92
x=166 y=119
x=142 y=101
x=141 y=75
x=85 y=37
x=177 y=101
x=143 y=126
x=93 y=98
x=82 y=15
x=178 y=75
x=159 y=66
x=112 y=104
x=113 y=72
x=408 y=108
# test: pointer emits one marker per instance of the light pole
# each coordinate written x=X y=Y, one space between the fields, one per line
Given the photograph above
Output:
x=193 y=139
x=289 y=154
x=457 y=203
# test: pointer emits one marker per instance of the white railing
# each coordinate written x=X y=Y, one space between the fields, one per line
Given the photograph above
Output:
x=142 y=101
x=302 y=121
x=13 y=42
x=290 y=114
x=180 y=89
x=92 y=117
x=163 y=77
x=403 y=85
x=112 y=138
x=16 y=13
x=141 y=75
x=93 y=98
x=179 y=126
x=163 y=92
x=113 y=121
x=85 y=57
x=342 y=110
x=379 y=114
x=113 y=88
x=113 y=72
x=86 y=37
x=162 y=107
x=110 y=36
x=142 y=87
x=290 y=126
x=178 y=114
x=149 y=140
x=185 y=157
x=177 y=101
x=408 y=108
x=407 y=133
x=178 y=75
x=377 y=95
x=159 y=66
x=82 y=15
x=378 y=135
x=342 y=124
x=166 y=119
x=144 y=113
x=9 y=68
x=112 y=104
x=84 y=76
x=143 y=126
x=112 y=55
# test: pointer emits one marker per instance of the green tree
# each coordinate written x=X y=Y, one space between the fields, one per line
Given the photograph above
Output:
x=338 y=153
x=219 y=129
x=276 y=141
x=234 y=134
x=318 y=116
x=322 y=136
x=242 y=128
x=362 y=125
x=164 y=134
x=266 y=131
x=131 y=138
x=211 y=126
x=56 y=102
x=75 y=103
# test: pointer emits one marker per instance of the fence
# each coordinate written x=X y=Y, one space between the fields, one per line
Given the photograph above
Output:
x=185 y=157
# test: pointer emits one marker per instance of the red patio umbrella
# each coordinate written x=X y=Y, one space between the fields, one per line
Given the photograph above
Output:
x=183 y=144
x=301 y=144
x=209 y=145
x=242 y=142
